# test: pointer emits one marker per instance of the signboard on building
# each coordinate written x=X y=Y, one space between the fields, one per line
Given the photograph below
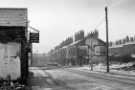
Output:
x=100 y=50
x=34 y=37
x=83 y=47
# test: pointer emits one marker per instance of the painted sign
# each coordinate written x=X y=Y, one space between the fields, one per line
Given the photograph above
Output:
x=34 y=37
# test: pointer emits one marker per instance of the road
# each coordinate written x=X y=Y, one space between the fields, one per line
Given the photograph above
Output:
x=73 y=79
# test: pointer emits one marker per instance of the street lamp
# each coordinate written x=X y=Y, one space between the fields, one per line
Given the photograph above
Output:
x=91 y=65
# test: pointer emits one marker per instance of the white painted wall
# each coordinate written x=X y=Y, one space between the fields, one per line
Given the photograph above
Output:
x=10 y=60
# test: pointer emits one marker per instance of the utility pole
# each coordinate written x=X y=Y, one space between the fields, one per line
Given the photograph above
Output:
x=107 y=50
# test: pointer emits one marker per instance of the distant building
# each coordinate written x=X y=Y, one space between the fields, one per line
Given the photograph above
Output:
x=96 y=48
x=81 y=51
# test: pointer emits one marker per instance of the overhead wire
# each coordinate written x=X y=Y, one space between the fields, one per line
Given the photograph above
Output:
x=100 y=22
x=109 y=3
x=96 y=25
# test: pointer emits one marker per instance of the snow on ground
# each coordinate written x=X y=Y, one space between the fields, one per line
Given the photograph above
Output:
x=62 y=79
x=65 y=81
x=79 y=82
x=114 y=68
x=122 y=65
x=37 y=72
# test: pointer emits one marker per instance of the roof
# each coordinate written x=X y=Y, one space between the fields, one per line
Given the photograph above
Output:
x=13 y=16
x=100 y=40
x=103 y=42
x=75 y=42
x=121 y=45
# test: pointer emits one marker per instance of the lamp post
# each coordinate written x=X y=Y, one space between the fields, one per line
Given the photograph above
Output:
x=90 y=61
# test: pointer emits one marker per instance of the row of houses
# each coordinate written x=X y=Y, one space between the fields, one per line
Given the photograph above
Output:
x=79 y=52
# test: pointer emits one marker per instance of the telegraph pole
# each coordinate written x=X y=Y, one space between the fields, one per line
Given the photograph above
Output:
x=107 y=46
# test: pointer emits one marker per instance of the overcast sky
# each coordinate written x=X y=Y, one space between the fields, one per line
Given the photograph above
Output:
x=58 y=19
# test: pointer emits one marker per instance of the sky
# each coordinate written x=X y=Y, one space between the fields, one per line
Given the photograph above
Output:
x=59 y=19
